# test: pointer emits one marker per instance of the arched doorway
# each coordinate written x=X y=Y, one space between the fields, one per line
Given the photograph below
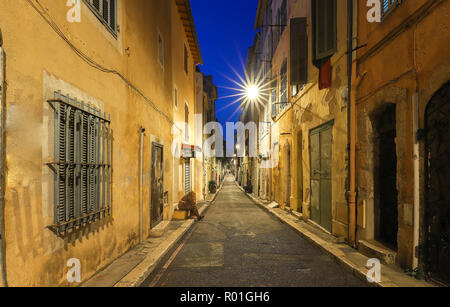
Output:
x=437 y=182
x=385 y=183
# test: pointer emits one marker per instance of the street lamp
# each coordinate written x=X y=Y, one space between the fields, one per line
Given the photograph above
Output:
x=253 y=92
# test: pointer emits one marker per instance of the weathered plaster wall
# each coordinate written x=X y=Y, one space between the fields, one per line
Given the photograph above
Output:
x=313 y=108
x=416 y=58
x=38 y=61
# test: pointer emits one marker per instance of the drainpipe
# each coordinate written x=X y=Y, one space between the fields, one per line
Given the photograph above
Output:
x=351 y=112
x=2 y=110
x=415 y=103
x=354 y=80
x=141 y=185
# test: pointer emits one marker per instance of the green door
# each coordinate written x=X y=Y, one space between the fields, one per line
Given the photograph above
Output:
x=321 y=158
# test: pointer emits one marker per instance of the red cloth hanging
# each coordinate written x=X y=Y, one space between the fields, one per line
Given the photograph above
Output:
x=325 y=75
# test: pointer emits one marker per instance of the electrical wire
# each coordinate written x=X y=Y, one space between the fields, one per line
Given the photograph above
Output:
x=49 y=20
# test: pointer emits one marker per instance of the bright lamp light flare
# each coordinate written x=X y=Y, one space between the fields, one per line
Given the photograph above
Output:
x=252 y=92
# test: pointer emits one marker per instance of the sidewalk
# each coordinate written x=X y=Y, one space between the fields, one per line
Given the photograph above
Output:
x=134 y=267
x=346 y=256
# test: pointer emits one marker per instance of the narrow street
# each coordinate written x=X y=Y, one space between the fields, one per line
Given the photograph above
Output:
x=240 y=245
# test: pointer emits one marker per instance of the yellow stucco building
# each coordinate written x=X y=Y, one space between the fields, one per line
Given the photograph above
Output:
x=87 y=112
x=403 y=142
x=370 y=167
x=310 y=140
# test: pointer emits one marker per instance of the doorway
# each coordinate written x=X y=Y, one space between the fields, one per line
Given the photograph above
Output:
x=287 y=174
x=300 y=171
x=386 y=194
x=321 y=140
x=157 y=185
x=437 y=170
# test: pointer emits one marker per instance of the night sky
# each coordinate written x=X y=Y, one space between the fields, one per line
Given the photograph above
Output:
x=225 y=30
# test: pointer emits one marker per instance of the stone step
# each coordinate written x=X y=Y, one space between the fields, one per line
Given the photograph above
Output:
x=377 y=250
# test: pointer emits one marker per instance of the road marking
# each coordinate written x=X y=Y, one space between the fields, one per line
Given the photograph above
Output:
x=169 y=262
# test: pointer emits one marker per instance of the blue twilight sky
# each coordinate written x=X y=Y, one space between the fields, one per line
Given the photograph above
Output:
x=225 y=30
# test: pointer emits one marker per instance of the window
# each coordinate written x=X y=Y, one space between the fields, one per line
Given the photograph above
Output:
x=283 y=86
x=186 y=60
x=82 y=165
x=324 y=14
x=186 y=119
x=175 y=98
x=160 y=50
x=274 y=98
x=284 y=16
x=389 y=6
x=278 y=29
x=106 y=12
x=299 y=53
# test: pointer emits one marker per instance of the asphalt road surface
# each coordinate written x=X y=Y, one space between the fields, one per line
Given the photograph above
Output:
x=240 y=245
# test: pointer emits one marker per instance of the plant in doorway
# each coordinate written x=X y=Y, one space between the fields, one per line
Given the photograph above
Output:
x=248 y=188
x=212 y=186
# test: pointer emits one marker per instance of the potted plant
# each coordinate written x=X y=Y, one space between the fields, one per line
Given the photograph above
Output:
x=212 y=186
x=249 y=188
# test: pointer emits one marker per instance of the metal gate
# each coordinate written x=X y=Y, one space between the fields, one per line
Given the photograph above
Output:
x=187 y=177
x=437 y=168
x=321 y=140
x=157 y=185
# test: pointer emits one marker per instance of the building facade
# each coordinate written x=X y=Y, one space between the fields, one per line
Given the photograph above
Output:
x=359 y=118
x=305 y=110
x=86 y=116
x=403 y=142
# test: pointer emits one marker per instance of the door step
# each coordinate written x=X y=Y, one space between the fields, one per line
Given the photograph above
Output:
x=159 y=230
x=377 y=250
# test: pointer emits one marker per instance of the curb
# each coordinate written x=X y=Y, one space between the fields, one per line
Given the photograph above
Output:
x=143 y=270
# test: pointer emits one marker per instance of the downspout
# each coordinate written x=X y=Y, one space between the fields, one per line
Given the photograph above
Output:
x=416 y=162
x=351 y=133
x=416 y=178
x=354 y=80
x=141 y=185
x=2 y=122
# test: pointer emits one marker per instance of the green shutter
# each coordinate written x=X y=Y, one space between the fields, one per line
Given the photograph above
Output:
x=299 y=51
x=325 y=28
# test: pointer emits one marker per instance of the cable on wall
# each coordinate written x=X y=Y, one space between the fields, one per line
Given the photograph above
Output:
x=42 y=12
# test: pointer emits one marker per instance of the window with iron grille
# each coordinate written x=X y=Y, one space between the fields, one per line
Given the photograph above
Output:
x=283 y=86
x=388 y=6
x=274 y=98
x=106 y=12
x=82 y=164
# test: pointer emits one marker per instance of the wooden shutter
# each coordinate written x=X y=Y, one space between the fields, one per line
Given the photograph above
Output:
x=299 y=51
x=284 y=15
x=325 y=28
x=106 y=11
